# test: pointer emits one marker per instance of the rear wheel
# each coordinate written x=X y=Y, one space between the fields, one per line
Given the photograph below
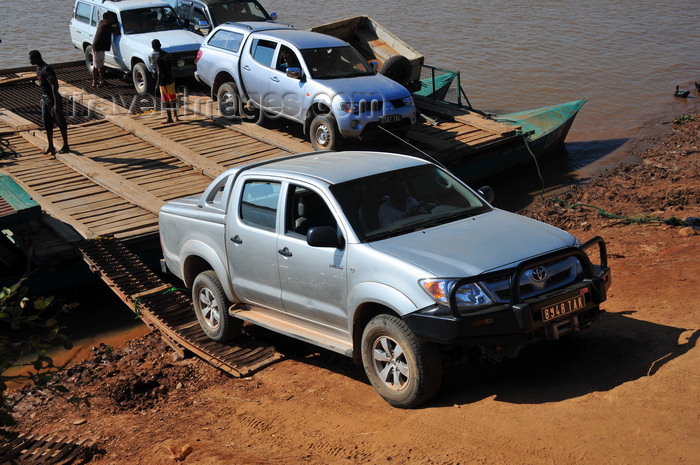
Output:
x=143 y=80
x=404 y=369
x=229 y=100
x=211 y=308
x=324 y=133
x=89 y=59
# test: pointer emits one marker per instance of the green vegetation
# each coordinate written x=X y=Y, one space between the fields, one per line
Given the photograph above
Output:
x=684 y=119
x=29 y=326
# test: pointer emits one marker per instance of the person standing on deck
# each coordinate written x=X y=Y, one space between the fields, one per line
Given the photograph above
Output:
x=101 y=44
x=51 y=102
x=164 y=80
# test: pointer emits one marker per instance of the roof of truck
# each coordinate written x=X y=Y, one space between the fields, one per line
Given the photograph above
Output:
x=300 y=38
x=337 y=167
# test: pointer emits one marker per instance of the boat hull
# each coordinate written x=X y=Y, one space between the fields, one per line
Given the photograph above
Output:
x=543 y=132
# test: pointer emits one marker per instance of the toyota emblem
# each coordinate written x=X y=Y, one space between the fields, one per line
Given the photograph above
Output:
x=539 y=274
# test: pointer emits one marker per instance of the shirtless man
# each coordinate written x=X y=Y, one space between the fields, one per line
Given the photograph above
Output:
x=51 y=102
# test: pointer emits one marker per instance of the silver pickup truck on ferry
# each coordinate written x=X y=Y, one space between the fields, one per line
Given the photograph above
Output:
x=262 y=69
x=381 y=257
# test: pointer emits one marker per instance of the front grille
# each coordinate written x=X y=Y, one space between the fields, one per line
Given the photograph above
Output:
x=559 y=274
x=374 y=106
x=187 y=57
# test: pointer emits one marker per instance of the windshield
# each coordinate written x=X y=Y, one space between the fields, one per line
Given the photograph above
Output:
x=153 y=19
x=335 y=62
x=398 y=202
x=237 y=10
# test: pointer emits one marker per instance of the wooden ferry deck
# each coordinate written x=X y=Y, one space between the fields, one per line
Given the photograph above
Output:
x=125 y=165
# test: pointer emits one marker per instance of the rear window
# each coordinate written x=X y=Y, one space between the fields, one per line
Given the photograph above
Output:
x=227 y=40
x=82 y=12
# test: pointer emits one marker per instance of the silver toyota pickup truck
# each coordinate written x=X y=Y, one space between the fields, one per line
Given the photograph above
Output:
x=263 y=69
x=381 y=257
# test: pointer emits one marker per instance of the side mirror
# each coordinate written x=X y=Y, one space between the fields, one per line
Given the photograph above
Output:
x=294 y=72
x=273 y=16
x=486 y=193
x=324 y=236
x=374 y=64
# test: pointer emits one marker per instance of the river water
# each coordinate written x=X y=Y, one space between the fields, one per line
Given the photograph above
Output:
x=625 y=57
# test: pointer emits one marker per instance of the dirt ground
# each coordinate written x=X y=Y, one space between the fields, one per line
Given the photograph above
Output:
x=626 y=390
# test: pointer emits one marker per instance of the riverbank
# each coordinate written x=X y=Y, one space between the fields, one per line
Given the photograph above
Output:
x=623 y=391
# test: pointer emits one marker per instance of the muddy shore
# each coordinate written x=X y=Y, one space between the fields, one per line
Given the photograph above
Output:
x=624 y=391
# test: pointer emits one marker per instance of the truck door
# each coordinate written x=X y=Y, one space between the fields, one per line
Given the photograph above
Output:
x=251 y=242
x=286 y=89
x=313 y=279
x=256 y=65
x=80 y=24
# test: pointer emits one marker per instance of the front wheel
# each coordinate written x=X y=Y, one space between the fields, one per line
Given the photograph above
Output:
x=211 y=308
x=324 y=133
x=143 y=80
x=404 y=369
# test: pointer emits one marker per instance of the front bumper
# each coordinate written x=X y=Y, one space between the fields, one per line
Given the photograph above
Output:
x=522 y=322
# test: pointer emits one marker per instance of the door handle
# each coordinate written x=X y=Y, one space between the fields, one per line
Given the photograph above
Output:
x=284 y=252
x=246 y=67
x=274 y=79
x=236 y=239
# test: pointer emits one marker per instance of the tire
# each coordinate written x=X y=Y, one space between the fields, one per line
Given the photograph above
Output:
x=143 y=80
x=211 y=308
x=404 y=370
x=324 y=134
x=229 y=101
x=89 y=59
x=397 y=68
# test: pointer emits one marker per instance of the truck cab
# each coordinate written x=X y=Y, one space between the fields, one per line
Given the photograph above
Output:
x=201 y=16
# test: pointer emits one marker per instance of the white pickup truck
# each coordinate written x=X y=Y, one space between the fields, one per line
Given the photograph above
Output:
x=380 y=257
x=263 y=69
x=139 y=22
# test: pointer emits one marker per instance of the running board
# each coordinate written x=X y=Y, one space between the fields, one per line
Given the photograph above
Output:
x=290 y=326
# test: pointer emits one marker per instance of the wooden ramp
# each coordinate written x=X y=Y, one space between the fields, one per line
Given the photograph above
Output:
x=29 y=449
x=169 y=310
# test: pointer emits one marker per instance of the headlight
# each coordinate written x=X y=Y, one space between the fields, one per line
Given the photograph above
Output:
x=350 y=107
x=408 y=101
x=468 y=295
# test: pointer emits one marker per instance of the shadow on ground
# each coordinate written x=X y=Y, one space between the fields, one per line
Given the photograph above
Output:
x=616 y=350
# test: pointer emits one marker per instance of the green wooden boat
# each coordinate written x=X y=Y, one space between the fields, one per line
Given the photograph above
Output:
x=542 y=133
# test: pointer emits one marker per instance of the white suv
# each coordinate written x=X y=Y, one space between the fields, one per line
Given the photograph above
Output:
x=140 y=21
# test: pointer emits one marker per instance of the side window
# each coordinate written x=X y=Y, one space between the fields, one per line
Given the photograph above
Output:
x=219 y=39
x=259 y=204
x=306 y=209
x=234 y=42
x=96 y=16
x=83 y=12
x=198 y=15
x=263 y=51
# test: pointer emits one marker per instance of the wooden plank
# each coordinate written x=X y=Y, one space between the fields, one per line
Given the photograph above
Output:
x=179 y=151
x=16 y=122
x=55 y=211
x=112 y=182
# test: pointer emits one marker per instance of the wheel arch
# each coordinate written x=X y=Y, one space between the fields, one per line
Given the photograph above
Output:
x=221 y=78
x=319 y=107
x=369 y=300
x=200 y=257
x=363 y=314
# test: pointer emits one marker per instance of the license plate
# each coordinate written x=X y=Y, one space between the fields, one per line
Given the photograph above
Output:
x=389 y=119
x=569 y=305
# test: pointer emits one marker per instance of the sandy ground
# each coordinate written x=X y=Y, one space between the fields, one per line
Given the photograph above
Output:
x=625 y=391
